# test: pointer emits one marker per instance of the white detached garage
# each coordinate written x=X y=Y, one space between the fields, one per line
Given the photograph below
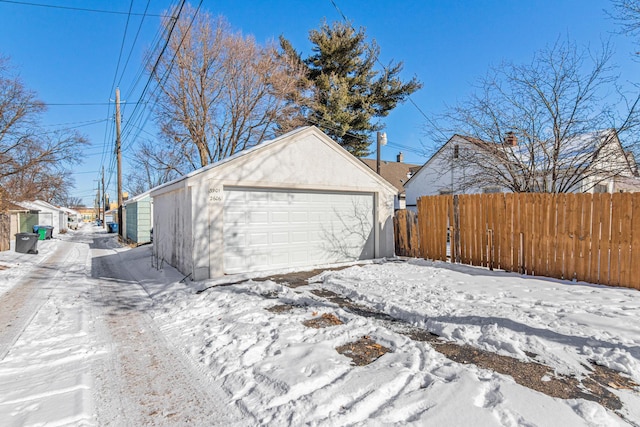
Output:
x=297 y=201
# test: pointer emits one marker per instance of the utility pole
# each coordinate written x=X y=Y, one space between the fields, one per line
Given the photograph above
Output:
x=381 y=139
x=119 y=159
x=104 y=201
x=99 y=199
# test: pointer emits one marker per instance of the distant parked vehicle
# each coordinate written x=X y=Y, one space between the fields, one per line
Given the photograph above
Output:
x=72 y=223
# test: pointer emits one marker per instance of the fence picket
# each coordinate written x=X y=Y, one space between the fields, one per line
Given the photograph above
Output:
x=507 y=240
x=614 y=260
x=634 y=255
x=625 y=239
x=595 y=238
x=581 y=255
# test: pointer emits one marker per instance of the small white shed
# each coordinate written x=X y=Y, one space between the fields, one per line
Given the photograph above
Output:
x=296 y=201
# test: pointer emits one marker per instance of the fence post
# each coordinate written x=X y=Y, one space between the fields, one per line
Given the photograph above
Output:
x=490 y=249
x=521 y=254
x=455 y=241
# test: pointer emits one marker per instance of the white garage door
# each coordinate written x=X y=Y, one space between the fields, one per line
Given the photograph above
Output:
x=273 y=229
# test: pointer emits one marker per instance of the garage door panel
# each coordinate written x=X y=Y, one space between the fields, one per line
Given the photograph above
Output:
x=299 y=237
x=258 y=239
x=279 y=217
x=236 y=197
x=259 y=260
x=237 y=239
x=280 y=238
x=301 y=217
x=300 y=257
x=235 y=217
x=259 y=217
x=275 y=229
x=279 y=259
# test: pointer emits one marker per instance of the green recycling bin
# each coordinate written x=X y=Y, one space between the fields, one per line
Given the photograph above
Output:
x=42 y=233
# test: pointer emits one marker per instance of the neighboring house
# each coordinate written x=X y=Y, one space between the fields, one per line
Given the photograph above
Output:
x=296 y=201
x=10 y=221
x=111 y=215
x=594 y=162
x=73 y=218
x=19 y=215
x=137 y=218
x=397 y=173
x=47 y=215
x=88 y=214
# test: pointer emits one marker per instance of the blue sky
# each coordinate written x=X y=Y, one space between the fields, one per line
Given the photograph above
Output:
x=70 y=56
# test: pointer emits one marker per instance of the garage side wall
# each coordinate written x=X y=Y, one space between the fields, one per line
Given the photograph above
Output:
x=386 y=242
x=200 y=225
x=172 y=242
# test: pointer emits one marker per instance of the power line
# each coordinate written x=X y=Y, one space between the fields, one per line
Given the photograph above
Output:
x=163 y=78
x=135 y=39
x=124 y=38
x=136 y=112
x=81 y=9
x=77 y=124
x=68 y=104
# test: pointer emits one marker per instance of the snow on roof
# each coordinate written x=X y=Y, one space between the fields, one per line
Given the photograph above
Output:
x=138 y=197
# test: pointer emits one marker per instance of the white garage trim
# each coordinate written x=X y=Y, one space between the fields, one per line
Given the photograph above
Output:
x=268 y=229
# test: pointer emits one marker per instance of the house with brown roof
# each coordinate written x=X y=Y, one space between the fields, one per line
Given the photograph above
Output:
x=593 y=162
x=397 y=173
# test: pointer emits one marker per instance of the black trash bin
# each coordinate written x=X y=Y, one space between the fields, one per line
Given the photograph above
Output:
x=49 y=231
x=27 y=243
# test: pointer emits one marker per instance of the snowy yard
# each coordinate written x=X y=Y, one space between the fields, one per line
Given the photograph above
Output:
x=271 y=369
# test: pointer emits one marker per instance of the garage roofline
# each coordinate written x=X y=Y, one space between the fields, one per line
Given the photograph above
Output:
x=266 y=144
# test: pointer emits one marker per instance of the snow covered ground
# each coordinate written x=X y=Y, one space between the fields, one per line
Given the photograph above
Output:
x=267 y=368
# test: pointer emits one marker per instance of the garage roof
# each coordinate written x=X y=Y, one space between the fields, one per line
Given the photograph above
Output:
x=261 y=146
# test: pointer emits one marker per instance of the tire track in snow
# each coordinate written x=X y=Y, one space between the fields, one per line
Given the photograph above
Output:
x=150 y=383
x=21 y=303
x=46 y=368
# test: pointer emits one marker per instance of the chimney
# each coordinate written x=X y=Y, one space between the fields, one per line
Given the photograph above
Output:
x=510 y=139
x=400 y=157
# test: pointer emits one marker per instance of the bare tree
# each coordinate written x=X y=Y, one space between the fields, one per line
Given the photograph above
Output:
x=547 y=126
x=627 y=12
x=70 y=202
x=219 y=92
x=154 y=165
x=32 y=161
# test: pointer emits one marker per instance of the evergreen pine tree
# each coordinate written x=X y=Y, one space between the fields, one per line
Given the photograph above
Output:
x=343 y=95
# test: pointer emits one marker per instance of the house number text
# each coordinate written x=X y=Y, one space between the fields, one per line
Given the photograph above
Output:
x=215 y=194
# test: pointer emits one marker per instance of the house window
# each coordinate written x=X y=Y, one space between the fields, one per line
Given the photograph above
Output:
x=492 y=189
x=601 y=188
x=445 y=192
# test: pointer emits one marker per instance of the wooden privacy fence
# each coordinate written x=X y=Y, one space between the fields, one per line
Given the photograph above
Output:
x=407 y=239
x=5 y=237
x=587 y=237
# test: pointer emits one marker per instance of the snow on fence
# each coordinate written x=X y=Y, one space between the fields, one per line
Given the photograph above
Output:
x=587 y=237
